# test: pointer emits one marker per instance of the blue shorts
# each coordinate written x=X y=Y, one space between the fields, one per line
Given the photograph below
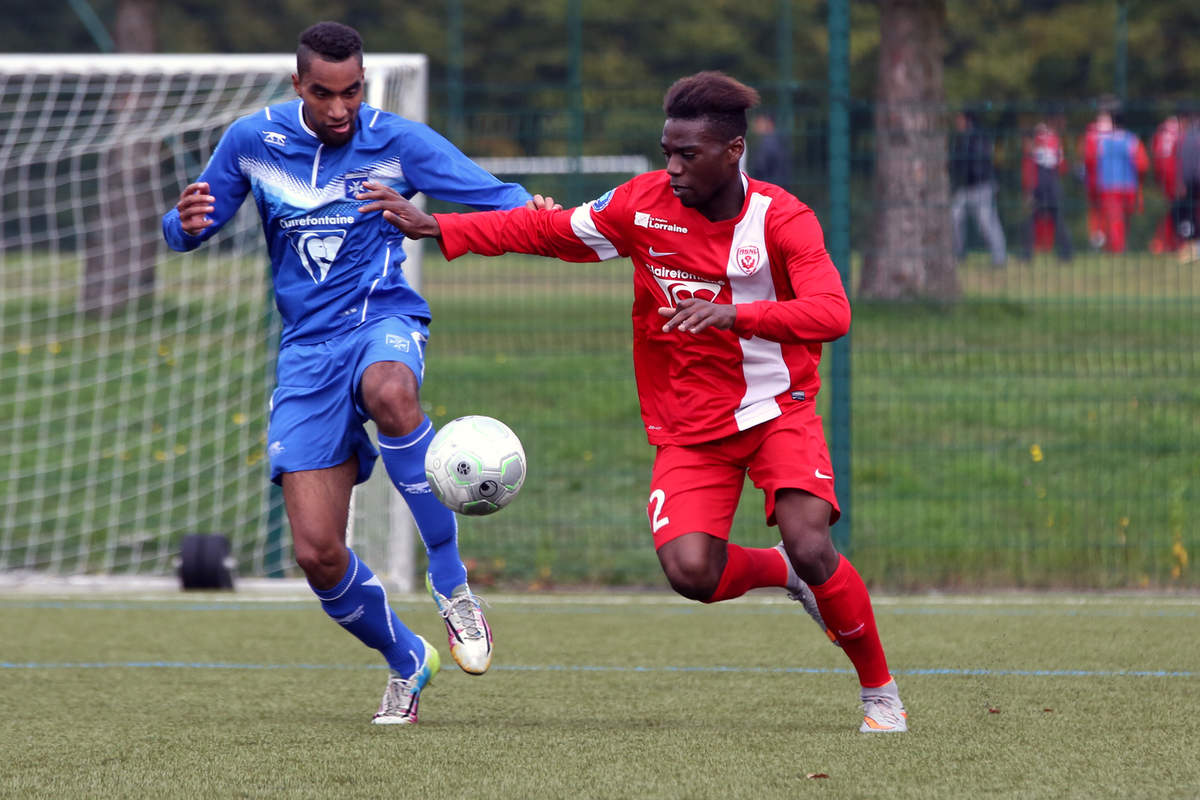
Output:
x=317 y=415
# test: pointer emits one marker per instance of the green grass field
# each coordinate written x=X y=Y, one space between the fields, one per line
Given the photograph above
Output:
x=599 y=696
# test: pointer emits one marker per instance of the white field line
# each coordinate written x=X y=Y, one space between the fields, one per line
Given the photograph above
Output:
x=23 y=585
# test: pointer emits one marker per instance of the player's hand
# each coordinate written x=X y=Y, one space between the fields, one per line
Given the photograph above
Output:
x=539 y=202
x=410 y=220
x=194 y=206
x=693 y=316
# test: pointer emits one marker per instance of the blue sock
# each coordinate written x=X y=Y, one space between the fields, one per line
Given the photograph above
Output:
x=404 y=459
x=359 y=604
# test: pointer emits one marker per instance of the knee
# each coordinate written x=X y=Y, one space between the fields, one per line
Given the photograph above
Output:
x=812 y=554
x=323 y=563
x=395 y=407
x=694 y=577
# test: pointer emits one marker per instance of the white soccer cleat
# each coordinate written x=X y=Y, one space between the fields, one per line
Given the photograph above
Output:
x=800 y=591
x=466 y=629
x=882 y=710
x=400 y=698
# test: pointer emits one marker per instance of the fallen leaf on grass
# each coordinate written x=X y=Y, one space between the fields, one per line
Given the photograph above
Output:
x=812 y=775
x=1048 y=710
x=993 y=710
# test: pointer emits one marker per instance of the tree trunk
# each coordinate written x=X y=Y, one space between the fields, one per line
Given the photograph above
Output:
x=121 y=243
x=911 y=252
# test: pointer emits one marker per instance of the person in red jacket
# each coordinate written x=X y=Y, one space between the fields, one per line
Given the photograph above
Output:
x=1087 y=172
x=734 y=295
x=1117 y=160
x=1164 y=147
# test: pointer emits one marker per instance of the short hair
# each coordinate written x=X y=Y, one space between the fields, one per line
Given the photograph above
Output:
x=713 y=96
x=328 y=41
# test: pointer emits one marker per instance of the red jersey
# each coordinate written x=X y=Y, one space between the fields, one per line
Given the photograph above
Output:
x=1045 y=151
x=769 y=261
x=1163 y=148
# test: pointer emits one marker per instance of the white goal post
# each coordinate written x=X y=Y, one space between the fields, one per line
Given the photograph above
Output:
x=136 y=379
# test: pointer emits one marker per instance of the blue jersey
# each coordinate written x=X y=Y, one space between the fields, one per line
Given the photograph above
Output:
x=334 y=268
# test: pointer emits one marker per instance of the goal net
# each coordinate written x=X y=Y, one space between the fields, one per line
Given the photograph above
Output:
x=136 y=379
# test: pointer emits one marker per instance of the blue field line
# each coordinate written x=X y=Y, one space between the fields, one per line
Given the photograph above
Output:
x=937 y=672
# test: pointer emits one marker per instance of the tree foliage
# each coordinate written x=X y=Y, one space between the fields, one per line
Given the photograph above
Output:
x=1008 y=50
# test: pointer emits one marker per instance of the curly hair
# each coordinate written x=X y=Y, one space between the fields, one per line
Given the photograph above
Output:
x=714 y=96
x=328 y=41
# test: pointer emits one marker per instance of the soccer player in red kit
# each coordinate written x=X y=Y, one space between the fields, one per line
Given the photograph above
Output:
x=734 y=293
x=1164 y=151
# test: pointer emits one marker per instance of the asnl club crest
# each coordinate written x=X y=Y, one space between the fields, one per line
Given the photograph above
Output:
x=748 y=258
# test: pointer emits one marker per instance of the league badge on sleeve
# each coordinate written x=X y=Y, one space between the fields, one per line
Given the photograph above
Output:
x=601 y=202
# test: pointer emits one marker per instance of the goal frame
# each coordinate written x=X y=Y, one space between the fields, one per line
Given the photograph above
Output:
x=397 y=562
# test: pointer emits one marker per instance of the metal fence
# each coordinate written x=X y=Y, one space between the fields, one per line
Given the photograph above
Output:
x=1039 y=431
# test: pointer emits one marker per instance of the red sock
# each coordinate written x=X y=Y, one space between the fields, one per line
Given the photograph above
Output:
x=749 y=568
x=846 y=607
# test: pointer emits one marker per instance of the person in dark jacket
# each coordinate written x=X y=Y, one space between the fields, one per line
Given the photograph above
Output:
x=973 y=187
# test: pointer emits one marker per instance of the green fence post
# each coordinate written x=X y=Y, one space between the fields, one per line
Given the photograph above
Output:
x=838 y=241
x=456 y=129
x=785 y=117
x=575 y=78
x=1121 y=57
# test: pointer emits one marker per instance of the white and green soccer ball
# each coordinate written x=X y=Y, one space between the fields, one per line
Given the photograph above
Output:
x=475 y=465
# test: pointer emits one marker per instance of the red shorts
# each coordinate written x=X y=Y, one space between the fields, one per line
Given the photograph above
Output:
x=697 y=487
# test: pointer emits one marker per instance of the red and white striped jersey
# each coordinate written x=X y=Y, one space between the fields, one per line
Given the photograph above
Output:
x=769 y=261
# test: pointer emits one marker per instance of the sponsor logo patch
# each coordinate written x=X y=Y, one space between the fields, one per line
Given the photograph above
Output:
x=317 y=251
x=275 y=138
x=644 y=220
x=678 y=284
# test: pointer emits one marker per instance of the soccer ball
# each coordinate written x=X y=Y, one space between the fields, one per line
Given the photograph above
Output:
x=475 y=465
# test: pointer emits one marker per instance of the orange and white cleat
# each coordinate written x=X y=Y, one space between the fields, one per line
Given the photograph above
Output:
x=882 y=710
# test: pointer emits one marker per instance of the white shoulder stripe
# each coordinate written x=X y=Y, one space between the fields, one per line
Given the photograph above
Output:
x=585 y=228
x=268 y=110
x=763 y=368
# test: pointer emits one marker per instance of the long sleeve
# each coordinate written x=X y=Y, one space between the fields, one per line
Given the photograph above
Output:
x=519 y=230
x=434 y=166
x=225 y=182
x=812 y=306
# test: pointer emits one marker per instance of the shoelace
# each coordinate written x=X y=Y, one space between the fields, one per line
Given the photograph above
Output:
x=464 y=610
x=399 y=690
x=882 y=708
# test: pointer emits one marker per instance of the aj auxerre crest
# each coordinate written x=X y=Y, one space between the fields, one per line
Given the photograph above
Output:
x=317 y=250
x=354 y=183
x=748 y=258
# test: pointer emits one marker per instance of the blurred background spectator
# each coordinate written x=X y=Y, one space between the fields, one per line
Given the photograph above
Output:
x=973 y=182
x=1041 y=167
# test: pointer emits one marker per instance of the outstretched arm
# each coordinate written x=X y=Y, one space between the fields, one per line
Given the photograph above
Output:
x=401 y=213
x=412 y=221
x=541 y=228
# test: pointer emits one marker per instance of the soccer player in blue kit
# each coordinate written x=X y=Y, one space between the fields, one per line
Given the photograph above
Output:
x=354 y=335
